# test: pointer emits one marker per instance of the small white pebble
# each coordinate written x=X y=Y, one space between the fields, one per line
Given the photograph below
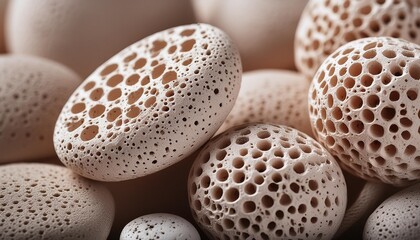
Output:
x=159 y=226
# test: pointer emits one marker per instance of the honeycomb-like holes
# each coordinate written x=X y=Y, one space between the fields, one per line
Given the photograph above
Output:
x=339 y=23
x=278 y=178
x=371 y=95
x=142 y=85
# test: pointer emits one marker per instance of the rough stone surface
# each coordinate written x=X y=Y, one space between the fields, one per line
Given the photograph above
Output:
x=396 y=218
x=325 y=25
x=32 y=93
x=266 y=182
x=151 y=105
x=159 y=226
x=42 y=201
x=364 y=107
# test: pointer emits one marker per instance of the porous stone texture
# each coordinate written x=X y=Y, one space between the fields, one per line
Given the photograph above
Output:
x=325 y=25
x=398 y=217
x=266 y=182
x=159 y=226
x=83 y=34
x=364 y=108
x=33 y=91
x=151 y=105
x=272 y=96
x=42 y=201
x=263 y=30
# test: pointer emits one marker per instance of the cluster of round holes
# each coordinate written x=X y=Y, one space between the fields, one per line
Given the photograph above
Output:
x=326 y=25
x=379 y=109
x=47 y=201
x=128 y=118
x=235 y=194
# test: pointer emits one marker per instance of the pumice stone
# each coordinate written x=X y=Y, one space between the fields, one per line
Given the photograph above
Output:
x=151 y=105
x=397 y=218
x=159 y=226
x=33 y=91
x=272 y=96
x=261 y=181
x=43 y=201
x=365 y=109
x=325 y=25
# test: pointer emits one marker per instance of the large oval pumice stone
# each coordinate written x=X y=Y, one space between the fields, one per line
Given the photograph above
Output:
x=43 y=201
x=150 y=105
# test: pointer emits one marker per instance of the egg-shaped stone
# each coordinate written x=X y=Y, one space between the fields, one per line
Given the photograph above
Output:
x=364 y=108
x=42 y=201
x=151 y=105
x=272 y=96
x=83 y=34
x=398 y=217
x=325 y=25
x=263 y=30
x=33 y=91
x=159 y=226
x=261 y=181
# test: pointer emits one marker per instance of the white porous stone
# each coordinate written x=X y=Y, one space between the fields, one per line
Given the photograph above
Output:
x=159 y=226
x=263 y=30
x=272 y=96
x=83 y=34
x=150 y=105
x=261 y=181
x=325 y=25
x=364 y=108
x=397 y=218
x=33 y=91
x=42 y=201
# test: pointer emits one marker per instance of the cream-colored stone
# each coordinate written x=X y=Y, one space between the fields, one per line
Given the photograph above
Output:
x=325 y=25
x=364 y=108
x=261 y=181
x=84 y=34
x=42 y=201
x=159 y=226
x=263 y=30
x=397 y=217
x=151 y=105
x=33 y=91
x=272 y=96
